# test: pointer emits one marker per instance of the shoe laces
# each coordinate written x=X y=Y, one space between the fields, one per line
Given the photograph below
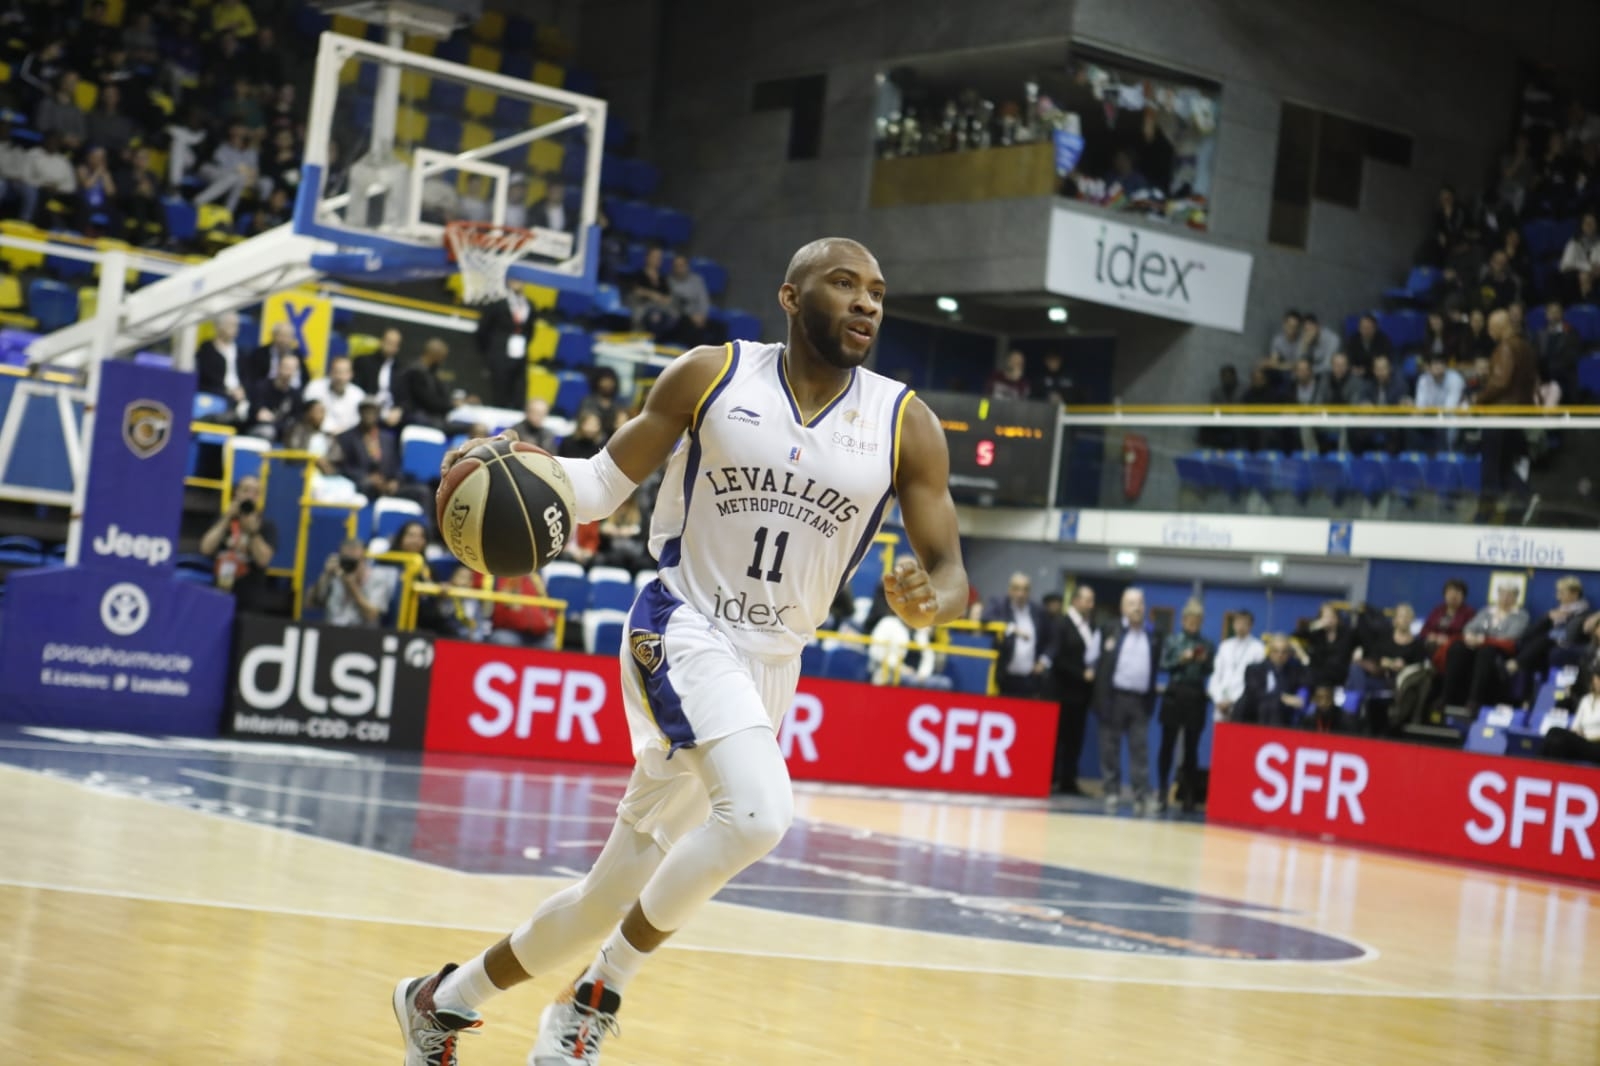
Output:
x=439 y=1043
x=587 y=1027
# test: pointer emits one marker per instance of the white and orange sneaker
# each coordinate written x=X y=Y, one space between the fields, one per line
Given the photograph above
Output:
x=571 y=1029
x=430 y=1032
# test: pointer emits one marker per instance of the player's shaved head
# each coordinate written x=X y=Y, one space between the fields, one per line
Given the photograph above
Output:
x=820 y=254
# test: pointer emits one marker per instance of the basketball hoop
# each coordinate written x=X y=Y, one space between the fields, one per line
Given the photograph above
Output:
x=484 y=253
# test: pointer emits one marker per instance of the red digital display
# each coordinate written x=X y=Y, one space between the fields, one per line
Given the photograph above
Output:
x=985 y=453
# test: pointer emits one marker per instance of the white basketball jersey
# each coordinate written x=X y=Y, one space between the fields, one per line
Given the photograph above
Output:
x=761 y=515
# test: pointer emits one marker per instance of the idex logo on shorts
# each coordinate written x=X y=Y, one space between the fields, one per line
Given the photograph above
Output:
x=648 y=649
x=146 y=427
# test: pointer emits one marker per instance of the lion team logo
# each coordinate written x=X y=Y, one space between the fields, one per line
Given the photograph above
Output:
x=647 y=649
x=146 y=426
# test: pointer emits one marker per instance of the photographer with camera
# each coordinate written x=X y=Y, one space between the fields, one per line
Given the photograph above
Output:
x=353 y=592
x=242 y=543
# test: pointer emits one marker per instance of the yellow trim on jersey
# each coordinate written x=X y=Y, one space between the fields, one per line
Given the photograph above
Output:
x=699 y=408
x=899 y=421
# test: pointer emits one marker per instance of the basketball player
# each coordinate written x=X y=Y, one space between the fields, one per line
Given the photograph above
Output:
x=782 y=459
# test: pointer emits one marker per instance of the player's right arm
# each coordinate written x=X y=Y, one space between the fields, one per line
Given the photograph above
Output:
x=644 y=442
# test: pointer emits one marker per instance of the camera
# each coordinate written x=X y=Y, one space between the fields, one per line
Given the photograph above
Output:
x=247 y=507
x=348 y=565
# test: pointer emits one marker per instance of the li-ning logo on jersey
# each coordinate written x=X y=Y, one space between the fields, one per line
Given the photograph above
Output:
x=647 y=649
x=745 y=415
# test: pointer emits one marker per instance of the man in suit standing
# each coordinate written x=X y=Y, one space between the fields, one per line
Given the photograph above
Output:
x=505 y=329
x=263 y=362
x=1077 y=652
x=221 y=370
x=551 y=212
x=1125 y=698
x=375 y=374
x=1027 y=647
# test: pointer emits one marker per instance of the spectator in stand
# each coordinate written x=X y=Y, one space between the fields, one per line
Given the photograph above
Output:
x=235 y=168
x=602 y=398
x=423 y=398
x=1125 y=694
x=1440 y=339
x=351 y=590
x=1580 y=259
x=1446 y=622
x=1367 y=342
x=1475 y=341
x=1330 y=646
x=584 y=440
x=263 y=362
x=583 y=545
x=1225 y=392
x=242 y=542
x=1557 y=639
x=369 y=455
x=280 y=163
x=1384 y=658
x=1388 y=388
x=551 y=212
x=523 y=625
x=1027 y=647
x=1306 y=385
x=1052 y=382
x=275 y=402
x=58 y=113
x=1581 y=741
x=412 y=539
x=1010 y=381
x=1272 y=687
x=1555 y=191
x=1285 y=346
x=146 y=217
x=1077 y=652
x=1316 y=344
x=1325 y=716
x=692 y=302
x=532 y=428
x=1340 y=387
x=49 y=172
x=622 y=538
x=340 y=396
x=1449 y=223
x=1437 y=387
x=13 y=166
x=218 y=366
x=650 y=296
x=1518 y=259
x=306 y=435
x=466 y=618
x=1475 y=667
x=505 y=329
x=1187 y=657
x=107 y=126
x=473 y=206
x=185 y=139
x=1235 y=655
x=375 y=374
x=1498 y=286
x=1517 y=317
x=1516 y=175
x=1558 y=349
x=1513 y=379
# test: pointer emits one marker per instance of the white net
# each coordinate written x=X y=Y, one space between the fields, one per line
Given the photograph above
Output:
x=484 y=253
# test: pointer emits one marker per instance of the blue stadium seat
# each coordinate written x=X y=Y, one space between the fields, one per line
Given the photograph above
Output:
x=1410 y=368
x=1418 y=288
x=712 y=272
x=18 y=552
x=1471 y=474
x=195 y=561
x=846 y=662
x=616 y=135
x=1542 y=238
x=520 y=35
x=1533 y=321
x=1193 y=470
x=391 y=512
x=742 y=326
x=633 y=259
x=642 y=178
x=1408 y=475
x=674 y=228
x=1585 y=320
x=1256 y=471
x=1369 y=474
x=811 y=660
x=608 y=302
x=605 y=636
x=578 y=80
x=1293 y=475
x=198 y=577
x=67 y=268
x=1407 y=329
x=1589 y=373
x=567 y=581
x=634 y=218
x=55 y=305
x=969 y=673
x=1442 y=474
x=1226 y=471
x=610 y=589
x=572 y=388
x=574 y=346
x=1331 y=474
x=865 y=581
x=573 y=166
x=512 y=111
x=207 y=406
x=574 y=304
x=444 y=132
x=446 y=99
x=422 y=451
x=613 y=173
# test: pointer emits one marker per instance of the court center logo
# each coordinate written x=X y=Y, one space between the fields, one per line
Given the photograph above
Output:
x=124 y=609
x=146 y=427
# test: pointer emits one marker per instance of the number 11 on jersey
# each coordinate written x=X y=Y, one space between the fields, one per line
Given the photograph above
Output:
x=779 y=543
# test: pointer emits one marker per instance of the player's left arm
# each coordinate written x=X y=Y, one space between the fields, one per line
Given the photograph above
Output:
x=932 y=589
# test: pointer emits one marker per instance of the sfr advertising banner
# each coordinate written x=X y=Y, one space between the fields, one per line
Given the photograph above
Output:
x=1490 y=809
x=493 y=700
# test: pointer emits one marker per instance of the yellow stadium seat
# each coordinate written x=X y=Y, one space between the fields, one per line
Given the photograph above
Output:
x=480 y=102
x=545 y=155
x=205 y=331
x=552 y=43
x=549 y=74
x=491 y=27
x=422 y=46
x=414 y=85
x=88 y=302
x=521 y=113
x=114 y=14
x=349 y=72
x=541 y=298
x=20 y=259
x=543 y=113
x=350 y=27
x=12 y=311
x=158 y=160
x=87 y=93
x=214 y=216
x=5 y=73
x=452 y=285
x=475 y=135
x=363 y=344
x=536 y=190
x=543 y=347
x=484 y=57
x=542 y=384
x=411 y=125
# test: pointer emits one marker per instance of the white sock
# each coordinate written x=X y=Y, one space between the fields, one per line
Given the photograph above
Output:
x=617 y=962
x=466 y=988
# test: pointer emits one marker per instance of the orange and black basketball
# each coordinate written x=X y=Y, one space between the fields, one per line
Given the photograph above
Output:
x=505 y=508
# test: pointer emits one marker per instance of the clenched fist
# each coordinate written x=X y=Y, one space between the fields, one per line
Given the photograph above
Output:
x=911 y=595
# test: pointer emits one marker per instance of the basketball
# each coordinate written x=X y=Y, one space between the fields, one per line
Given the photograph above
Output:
x=505 y=508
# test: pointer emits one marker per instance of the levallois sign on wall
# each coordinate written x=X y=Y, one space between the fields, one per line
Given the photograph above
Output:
x=1098 y=257
x=114 y=641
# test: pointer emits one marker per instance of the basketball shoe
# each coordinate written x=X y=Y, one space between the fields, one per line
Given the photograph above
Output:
x=571 y=1028
x=430 y=1033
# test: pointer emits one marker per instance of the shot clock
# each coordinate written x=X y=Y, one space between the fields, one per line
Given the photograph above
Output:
x=1001 y=451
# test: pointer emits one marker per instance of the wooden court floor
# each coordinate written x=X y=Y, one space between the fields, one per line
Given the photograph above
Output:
x=193 y=903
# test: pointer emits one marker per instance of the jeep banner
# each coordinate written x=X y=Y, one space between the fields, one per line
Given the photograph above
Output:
x=320 y=684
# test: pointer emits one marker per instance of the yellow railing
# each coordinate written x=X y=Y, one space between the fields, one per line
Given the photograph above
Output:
x=429 y=588
x=221 y=485
x=940 y=645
